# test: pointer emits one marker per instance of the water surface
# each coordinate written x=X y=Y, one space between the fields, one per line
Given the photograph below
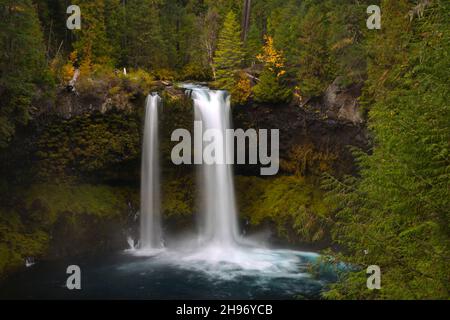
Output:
x=248 y=274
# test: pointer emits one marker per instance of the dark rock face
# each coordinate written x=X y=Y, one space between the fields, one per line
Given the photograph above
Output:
x=70 y=104
x=328 y=124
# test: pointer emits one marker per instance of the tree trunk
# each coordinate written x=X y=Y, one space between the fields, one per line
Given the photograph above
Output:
x=246 y=19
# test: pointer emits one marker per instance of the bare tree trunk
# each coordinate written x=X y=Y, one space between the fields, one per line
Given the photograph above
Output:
x=246 y=19
x=210 y=52
x=49 y=41
x=211 y=27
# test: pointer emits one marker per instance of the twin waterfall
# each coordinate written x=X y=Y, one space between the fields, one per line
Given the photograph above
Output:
x=218 y=224
x=150 y=215
x=219 y=215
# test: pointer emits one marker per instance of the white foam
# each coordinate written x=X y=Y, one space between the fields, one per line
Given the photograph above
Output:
x=232 y=261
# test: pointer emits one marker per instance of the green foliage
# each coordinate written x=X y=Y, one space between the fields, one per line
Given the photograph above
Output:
x=293 y=204
x=140 y=78
x=195 y=71
x=23 y=77
x=27 y=230
x=229 y=54
x=398 y=210
x=253 y=45
x=99 y=200
x=397 y=206
x=271 y=86
x=87 y=144
x=306 y=159
x=91 y=43
x=321 y=40
x=164 y=74
x=115 y=24
x=145 y=46
x=316 y=65
x=346 y=40
x=178 y=198
x=270 y=90
x=242 y=90
x=283 y=24
x=18 y=241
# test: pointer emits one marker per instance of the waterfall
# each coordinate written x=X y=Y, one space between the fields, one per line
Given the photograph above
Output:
x=219 y=217
x=150 y=216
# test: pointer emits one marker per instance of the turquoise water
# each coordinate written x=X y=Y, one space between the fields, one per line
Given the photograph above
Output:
x=248 y=274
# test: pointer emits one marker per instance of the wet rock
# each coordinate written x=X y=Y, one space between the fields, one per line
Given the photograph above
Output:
x=342 y=103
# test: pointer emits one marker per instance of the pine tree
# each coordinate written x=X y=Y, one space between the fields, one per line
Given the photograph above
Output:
x=270 y=87
x=396 y=215
x=283 y=24
x=316 y=66
x=22 y=64
x=91 y=43
x=253 y=45
x=229 y=54
x=146 y=47
x=115 y=23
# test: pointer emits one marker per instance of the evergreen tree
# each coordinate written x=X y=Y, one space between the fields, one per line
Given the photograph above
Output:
x=22 y=64
x=92 y=45
x=229 y=54
x=146 y=46
x=283 y=24
x=316 y=65
x=270 y=87
x=115 y=24
x=176 y=36
x=397 y=214
x=52 y=16
x=223 y=7
x=253 y=45
x=346 y=41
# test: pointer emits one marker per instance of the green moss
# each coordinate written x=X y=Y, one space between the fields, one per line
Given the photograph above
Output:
x=99 y=200
x=87 y=144
x=18 y=241
x=178 y=196
x=292 y=203
x=47 y=210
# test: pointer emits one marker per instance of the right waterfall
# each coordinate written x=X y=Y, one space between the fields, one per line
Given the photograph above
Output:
x=219 y=215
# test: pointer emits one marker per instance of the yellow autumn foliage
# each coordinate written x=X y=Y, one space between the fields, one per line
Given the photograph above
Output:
x=241 y=91
x=272 y=58
x=67 y=72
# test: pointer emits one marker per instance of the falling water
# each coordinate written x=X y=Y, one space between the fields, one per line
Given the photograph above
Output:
x=150 y=236
x=219 y=218
x=222 y=266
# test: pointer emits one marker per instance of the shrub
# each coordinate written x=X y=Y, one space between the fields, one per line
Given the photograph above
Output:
x=241 y=91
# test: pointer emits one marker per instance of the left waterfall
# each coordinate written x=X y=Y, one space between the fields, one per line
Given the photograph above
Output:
x=150 y=215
